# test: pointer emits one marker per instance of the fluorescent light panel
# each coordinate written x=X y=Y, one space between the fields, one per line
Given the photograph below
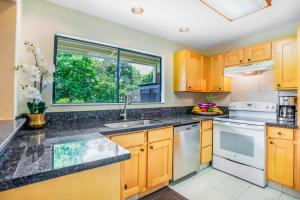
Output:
x=235 y=9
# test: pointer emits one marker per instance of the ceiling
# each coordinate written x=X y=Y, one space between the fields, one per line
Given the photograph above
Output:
x=207 y=28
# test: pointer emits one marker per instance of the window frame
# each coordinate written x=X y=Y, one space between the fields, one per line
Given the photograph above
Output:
x=119 y=48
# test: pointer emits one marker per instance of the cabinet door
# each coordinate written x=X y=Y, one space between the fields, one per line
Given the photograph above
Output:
x=285 y=63
x=206 y=154
x=195 y=72
x=159 y=162
x=216 y=73
x=280 y=161
x=133 y=172
x=234 y=57
x=258 y=52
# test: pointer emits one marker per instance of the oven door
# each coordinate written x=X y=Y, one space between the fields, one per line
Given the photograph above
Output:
x=242 y=143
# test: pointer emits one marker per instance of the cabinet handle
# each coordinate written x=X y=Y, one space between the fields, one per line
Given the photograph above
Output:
x=249 y=59
x=279 y=133
x=151 y=147
x=189 y=87
x=241 y=61
x=271 y=142
x=142 y=150
x=125 y=186
x=278 y=85
x=219 y=88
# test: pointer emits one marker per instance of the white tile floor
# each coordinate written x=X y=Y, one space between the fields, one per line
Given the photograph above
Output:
x=211 y=184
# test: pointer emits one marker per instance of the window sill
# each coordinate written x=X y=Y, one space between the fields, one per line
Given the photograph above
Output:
x=105 y=104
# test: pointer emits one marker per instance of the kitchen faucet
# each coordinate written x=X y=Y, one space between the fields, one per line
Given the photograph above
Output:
x=123 y=113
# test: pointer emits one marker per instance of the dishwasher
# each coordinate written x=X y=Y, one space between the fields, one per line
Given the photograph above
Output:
x=186 y=150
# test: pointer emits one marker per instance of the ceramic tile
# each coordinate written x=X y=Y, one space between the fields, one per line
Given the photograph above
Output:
x=187 y=193
x=233 y=187
x=206 y=181
x=291 y=192
x=213 y=194
x=258 y=193
x=287 y=197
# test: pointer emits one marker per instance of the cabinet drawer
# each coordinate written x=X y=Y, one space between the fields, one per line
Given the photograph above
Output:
x=206 y=155
x=160 y=134
x=129 y=140
x=206 y=125
x=206 y=138
x=282 y=133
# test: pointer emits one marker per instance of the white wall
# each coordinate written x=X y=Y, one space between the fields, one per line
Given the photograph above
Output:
x=41 y=20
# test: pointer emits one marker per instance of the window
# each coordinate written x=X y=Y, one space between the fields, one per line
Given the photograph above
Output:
x=88 y=72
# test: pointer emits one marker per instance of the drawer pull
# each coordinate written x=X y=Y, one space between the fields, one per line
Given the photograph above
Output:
x=271 y=142
x=151 y=147
x=125 y=186
x=279 y=133
x=142 y=150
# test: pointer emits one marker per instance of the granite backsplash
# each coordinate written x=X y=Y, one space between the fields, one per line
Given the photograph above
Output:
x=86 y=119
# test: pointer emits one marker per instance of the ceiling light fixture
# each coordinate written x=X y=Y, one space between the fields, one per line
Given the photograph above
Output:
x=236 y=9
x=137 y=10
x=184 y=29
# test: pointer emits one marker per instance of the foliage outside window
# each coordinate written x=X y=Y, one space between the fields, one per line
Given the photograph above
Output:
x=92 y=73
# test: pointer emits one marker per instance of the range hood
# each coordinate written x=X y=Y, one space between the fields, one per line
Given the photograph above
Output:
x=248 y=69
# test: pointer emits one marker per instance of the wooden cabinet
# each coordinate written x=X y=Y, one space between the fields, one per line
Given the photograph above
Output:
x=258 y=52
x=217 y=81
x=159 y=162
x=206 y=141
x=216 y=73
x=234 y=57
x=151 y=159
x=133 y=171
x=250 y=54
x=285 y=63
x=280 y=156
x=190 y=69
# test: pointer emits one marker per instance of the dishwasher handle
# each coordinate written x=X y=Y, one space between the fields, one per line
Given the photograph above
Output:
x=186 y=127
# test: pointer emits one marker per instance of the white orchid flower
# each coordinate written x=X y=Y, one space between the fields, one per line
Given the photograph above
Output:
x=34 y=76
x=31 y=92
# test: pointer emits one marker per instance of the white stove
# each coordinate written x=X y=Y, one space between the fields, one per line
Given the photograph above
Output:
x=239 y=145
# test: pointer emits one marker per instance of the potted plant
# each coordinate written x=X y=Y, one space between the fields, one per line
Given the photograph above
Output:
x=35 y=78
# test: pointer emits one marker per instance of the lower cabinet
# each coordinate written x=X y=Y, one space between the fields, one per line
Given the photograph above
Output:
x=151 y=160
x=159 y=162
x=280 y=157
x=206 y=141
x=133 y=171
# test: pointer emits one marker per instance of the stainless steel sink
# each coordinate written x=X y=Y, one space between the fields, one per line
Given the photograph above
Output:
x=128 y=124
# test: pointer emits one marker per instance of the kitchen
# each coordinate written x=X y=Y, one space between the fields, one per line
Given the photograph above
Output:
x=111 y=115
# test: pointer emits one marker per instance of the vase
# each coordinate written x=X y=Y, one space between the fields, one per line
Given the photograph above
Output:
x=36 y=120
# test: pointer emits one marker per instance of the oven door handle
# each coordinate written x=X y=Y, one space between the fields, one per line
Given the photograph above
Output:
x=240 y=125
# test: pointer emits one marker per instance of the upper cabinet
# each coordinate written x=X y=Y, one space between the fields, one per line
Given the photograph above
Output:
x=248 y=55
x=217 y=81
x=234 y=57
x=190 y=71
x=216 y=73
x=258 y=52
x=285 y=63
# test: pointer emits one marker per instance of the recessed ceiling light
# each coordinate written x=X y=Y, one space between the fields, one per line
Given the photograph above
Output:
x=235 y=9
x=184 y=29
x=137 y=10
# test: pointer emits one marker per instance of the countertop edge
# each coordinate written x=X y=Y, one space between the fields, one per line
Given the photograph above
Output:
x=4 y=144
x=35 y=178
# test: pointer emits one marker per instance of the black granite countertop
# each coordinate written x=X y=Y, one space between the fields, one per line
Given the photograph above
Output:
x=8 y=129
x=37 y=155
x=282 y=124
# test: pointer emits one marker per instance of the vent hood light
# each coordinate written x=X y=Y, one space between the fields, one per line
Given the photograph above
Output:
x=235 y=9
x=248 y=70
